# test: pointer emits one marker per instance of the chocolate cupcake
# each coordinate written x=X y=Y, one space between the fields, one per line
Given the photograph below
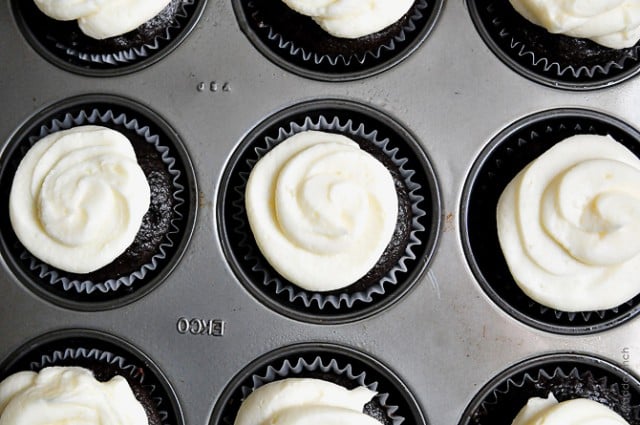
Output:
x=413 y=240
x=105 y=356
x=393 y=404
x=568 y=376
x=166 y=227
x=296 y=43
x=504 y=157
x=554 y=60
x=66 y=46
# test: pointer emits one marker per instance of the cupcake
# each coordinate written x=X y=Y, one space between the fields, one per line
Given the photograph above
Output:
x=316 y=382
x=63 y=394
x=582 y=386
x=547 y=263
x=313 y=145
x=71 y=374
x=338 y=41
x=563 y=44
x=105 y=37
x=100 y=202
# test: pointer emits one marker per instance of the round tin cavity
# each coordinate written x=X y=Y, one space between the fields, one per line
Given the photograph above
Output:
x=393 y=405
x=64 y=45
x=508 y=153
x=106 y=356
x=408 y=253
x=554 y=60
x=166 y=227
x=297 y=44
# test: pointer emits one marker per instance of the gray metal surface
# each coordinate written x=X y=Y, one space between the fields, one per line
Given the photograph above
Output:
x=445 y=338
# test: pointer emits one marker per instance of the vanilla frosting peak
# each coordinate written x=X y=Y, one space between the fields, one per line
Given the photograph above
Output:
x=322 y=210
x=569 y=225
x=68 y=395
x=611 y=23
x=579 y=411
x=78 y=198
x=102 y=19
x=352 y=18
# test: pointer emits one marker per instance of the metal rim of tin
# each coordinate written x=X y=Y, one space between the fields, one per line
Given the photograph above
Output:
x=432 y=226
x=179 y=151
x=493 y=282
x=507 y=381
x=24 y=358
x=531 y=73
x=315 y=72
x=354 y=361
x=61 y=61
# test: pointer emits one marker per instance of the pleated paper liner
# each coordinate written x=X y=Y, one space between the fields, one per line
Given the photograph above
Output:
x=554 y=60
x=406 y=256
x=166 y=227
x=66 y=46
x=296 y=43
x=508 y=153
x=567 y=375
x=106 y=356
x=393 y=405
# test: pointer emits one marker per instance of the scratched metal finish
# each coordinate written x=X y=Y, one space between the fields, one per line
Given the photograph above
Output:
x=444 y=339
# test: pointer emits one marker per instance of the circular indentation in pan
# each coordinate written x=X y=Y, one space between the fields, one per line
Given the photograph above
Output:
x=567 y=376
x=106 y=356
x=508 y=153
x=554 y=60
x=393 y=405
x=296 y=43
x=63 y=44
x=166 y=227
x=416 y=232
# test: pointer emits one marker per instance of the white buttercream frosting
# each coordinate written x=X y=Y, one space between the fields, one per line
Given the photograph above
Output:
x=352 y=18
x=102 y=19
x=78 y=198
x=322 y=210
x=298 y=401
x=611 y=23
x=579 y=411
x=68 y=396
x=569 y=225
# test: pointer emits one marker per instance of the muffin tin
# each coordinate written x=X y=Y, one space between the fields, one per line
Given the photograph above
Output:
x=438 y=344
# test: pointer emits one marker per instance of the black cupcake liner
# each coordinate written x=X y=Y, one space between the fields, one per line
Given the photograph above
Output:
x=554 y=60
x=296 y=43
x=393 y=405
x=64 y=45
x=166 y=227
x=406 y=256
x=567 y=375
x=508 y=153
x=106 y=356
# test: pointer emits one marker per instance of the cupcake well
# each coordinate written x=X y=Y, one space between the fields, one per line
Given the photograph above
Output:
x=510 y=151
x=63 y=44
x=296 y=43
x=166 y=227
x=567 y=375
x=411 y=246
x=553 y=60
x=106 y=356
x=393 y=405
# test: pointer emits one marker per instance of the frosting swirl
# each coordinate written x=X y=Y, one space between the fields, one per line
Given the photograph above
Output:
x=322 y=211
x=102 y=19
x=611 y=23
x=68 y=395
x=78 y=198
x=569 y=225
x=294 y=401
x=352 y=18
x=580 y=411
